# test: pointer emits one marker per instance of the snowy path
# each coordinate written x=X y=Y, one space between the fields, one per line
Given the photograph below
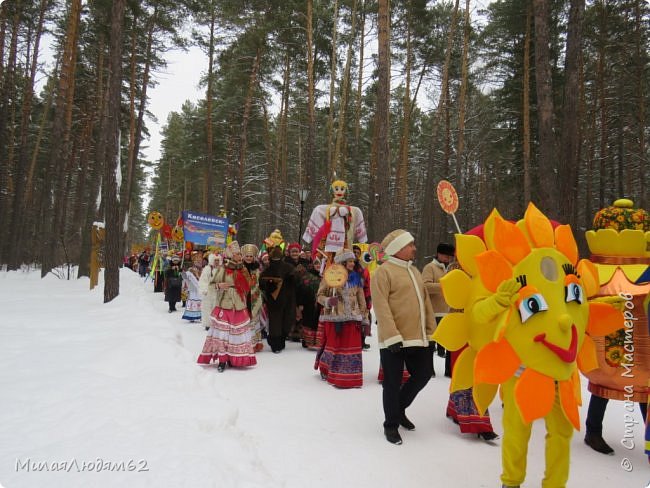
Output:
x=80 y=380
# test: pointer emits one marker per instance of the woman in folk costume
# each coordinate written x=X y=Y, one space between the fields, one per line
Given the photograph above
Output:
x=528 y=325
x=336 y=225
x=255 y=301
x=208 y=290
x=191 y=281
x=344 y=313
x=230 y=340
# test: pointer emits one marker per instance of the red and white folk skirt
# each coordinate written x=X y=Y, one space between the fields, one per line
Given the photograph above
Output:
x=339 y=358
x=229 y=339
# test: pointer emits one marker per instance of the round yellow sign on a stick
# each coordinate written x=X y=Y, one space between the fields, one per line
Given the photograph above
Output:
x=335 y=276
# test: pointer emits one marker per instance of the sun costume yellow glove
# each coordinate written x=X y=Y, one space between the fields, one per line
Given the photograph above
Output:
x=489 y=308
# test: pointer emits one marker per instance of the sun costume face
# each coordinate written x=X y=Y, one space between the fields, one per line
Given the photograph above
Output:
x=528 y=325
x=545 y=325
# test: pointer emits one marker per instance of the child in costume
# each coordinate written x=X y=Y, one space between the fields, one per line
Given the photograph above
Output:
x=528 y=325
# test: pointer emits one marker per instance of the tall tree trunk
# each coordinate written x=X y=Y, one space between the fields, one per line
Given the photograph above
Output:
x=589 y=175
x=252 y=83
x=380 y=203
x=92 y=202
x=270 y=168
x=641 y=79
x=430 y=209
x=227 y=177
x=80 y=196
x=330 y=118
x=546 y=159
x=526 y=107
x=18 y=214
x=359 y=95
x=136 y=120
x=460 y=148
x=310 y=167
x=7 y=111
x=3 y=35
x=67 y=154
x=444 y=93
x=401 y=177
x=568 y=169
x=207 y=172
x=343 y=101
x=282 y=137
x=125 y=199
x=111 y=159
x=602 y=101
x=58 y=149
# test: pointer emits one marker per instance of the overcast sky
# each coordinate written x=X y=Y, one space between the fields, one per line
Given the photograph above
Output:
x=176 y=84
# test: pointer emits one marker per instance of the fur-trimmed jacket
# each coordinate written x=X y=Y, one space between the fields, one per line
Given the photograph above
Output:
x=401 y=304
x=431 y=275
x=351 y=304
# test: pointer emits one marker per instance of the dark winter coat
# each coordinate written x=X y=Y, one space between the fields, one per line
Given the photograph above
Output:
x=282 y=309
x=173 y=284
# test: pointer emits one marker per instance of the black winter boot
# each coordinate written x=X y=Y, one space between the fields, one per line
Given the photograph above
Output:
x=406 y=423
x=597 y=443
x=392 y=435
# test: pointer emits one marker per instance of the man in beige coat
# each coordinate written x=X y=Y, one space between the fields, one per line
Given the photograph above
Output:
x=405 y=321
x=431 y=275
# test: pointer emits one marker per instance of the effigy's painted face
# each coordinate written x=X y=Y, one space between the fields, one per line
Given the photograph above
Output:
x=339 y=190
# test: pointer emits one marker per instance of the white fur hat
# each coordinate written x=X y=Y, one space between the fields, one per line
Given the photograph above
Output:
x=395 y=241
x=342 y=255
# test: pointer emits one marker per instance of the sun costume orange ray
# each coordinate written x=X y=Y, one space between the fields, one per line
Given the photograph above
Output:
x=528 y=325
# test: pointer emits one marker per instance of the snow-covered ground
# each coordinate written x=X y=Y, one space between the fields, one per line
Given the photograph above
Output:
x=83 y=384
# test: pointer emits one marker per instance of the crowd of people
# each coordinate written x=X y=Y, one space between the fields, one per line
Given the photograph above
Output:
x=245 y=297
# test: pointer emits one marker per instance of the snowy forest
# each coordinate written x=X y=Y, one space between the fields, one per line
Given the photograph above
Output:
x=511 y=100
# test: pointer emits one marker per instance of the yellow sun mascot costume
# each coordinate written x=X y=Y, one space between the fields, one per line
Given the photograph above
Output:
x=528 y=326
